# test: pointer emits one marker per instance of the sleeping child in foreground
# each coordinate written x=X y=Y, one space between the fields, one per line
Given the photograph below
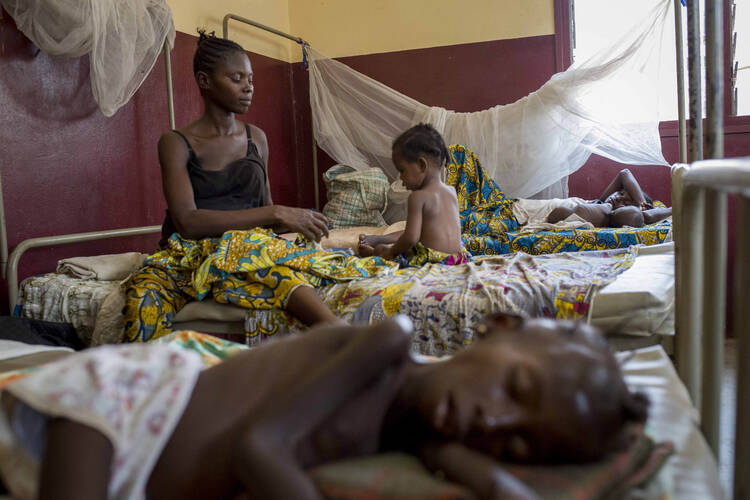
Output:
x=433 y=226
x=136 y=420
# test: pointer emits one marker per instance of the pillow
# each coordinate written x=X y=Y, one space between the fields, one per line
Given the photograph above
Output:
x=355 y=197
x=398 y=475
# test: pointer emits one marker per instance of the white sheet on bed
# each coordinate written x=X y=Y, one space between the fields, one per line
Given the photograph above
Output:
x=639 y=301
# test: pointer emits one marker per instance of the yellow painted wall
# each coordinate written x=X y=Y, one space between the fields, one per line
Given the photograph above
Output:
x=354 y=27
x=192 y=14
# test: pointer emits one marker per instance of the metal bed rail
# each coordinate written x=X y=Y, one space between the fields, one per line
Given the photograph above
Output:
x=701 y=301
x=46 y=241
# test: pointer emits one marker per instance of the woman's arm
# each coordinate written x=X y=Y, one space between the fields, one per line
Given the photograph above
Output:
x=413 y=230
x=195 y=223
x=478 y=472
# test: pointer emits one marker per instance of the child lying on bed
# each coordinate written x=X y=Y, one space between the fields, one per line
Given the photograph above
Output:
x=623 y=203
x=127 y=420
x=433 y=226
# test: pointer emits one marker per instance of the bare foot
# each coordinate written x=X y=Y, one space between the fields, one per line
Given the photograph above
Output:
x=371 y=240
x=365 y=250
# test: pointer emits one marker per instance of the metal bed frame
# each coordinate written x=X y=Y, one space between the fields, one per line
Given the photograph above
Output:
x=701 y=301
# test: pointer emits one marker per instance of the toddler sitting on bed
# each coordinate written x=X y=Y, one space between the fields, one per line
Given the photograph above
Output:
x=433 y=226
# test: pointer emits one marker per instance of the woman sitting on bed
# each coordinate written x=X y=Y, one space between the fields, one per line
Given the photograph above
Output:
x=124 y=421
x=623 y=203
x=215 y=179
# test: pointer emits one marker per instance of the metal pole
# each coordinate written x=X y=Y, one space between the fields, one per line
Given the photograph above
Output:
x=689 y=297
x=679 y=40
x=694 y=80
x=714 y=79
x=3 y=235
x=170 y=93
x=225 y=32
x=742 y=333
x=714 y=279
x=225 y=28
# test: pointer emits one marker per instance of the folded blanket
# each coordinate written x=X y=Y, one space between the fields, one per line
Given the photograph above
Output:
x=102 y=267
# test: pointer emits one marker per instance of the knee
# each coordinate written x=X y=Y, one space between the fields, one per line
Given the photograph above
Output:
x=559 y=213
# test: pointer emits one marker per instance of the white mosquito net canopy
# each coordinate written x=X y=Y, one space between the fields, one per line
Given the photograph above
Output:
x=606 y=105
x=122 y=37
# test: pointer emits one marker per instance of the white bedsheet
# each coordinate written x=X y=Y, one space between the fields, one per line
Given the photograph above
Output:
x=691 y=472
x=639 y=301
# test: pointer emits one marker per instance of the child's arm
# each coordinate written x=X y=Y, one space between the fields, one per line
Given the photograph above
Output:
x=413 y=230
x=477 y=471
x=656 y=214
x=625 y=181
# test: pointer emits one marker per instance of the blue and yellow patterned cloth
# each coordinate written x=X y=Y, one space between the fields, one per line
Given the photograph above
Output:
x=490 y=228
x=419 y=255
x=252 y=269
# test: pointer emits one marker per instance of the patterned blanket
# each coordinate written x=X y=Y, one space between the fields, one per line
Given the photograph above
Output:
x=490 y=228
x=446 y=303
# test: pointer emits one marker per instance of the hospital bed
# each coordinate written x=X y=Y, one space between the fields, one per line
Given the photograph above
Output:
x=638 y=304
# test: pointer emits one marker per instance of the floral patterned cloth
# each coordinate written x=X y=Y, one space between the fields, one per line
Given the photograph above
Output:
x=490 y=228
x=252 y=269
x=447 y=303
x=133 y=394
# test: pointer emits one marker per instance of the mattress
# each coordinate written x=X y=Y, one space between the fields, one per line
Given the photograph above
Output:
x=692 y=472
x=638 y=304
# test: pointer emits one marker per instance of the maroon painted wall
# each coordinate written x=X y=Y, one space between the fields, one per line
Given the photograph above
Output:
x=66 y=168
x=467 y=77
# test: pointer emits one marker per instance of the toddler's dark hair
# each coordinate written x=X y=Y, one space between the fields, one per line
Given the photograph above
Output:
x=212 y=49
x=422 y=139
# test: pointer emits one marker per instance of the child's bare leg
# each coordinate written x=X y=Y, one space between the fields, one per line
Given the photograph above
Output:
x=558 y=214
x=76 y=462
x=305 y=304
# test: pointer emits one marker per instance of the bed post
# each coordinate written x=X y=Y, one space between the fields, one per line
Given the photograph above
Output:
x=170 y=94
x=689 y=274
x=694 y=81
x=225 y=33
x=742 y=335
x=680 y=81
x=714 y=247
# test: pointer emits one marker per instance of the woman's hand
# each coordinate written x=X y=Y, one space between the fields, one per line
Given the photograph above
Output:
x=311 y=224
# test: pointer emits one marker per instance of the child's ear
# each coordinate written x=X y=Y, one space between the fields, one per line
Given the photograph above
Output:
x=498 y=322
x=422 y=162
x=202 y=78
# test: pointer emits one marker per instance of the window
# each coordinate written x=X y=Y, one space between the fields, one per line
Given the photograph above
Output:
x=592 y=23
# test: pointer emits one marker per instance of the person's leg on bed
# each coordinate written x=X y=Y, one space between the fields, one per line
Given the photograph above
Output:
x=153 y=298
x=278 y=287
x=76 y=463
x=306 y=305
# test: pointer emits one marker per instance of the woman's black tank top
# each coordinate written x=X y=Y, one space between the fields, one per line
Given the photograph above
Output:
x=239 y=185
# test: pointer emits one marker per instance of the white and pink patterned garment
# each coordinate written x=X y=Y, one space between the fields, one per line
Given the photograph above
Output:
x=134 y=394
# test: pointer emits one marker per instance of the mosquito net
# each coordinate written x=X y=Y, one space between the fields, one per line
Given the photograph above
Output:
x=123 y=38
x=605 y=105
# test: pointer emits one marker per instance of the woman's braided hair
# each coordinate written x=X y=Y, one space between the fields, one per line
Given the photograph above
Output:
x=211 y=50
x=422 y=139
